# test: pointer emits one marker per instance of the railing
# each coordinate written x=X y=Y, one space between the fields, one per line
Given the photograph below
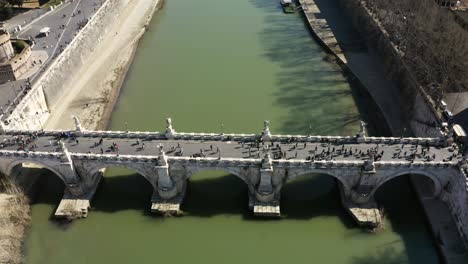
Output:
x=229 y=137
x=224 y=161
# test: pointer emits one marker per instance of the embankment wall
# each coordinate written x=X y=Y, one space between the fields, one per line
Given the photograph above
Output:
x=423 y=116
x=47 y=91
x=421 y=111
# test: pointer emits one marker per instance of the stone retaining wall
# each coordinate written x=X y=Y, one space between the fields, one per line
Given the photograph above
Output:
x=31 y=112
x=61 y=72
x=53 y=84
x=422 y=114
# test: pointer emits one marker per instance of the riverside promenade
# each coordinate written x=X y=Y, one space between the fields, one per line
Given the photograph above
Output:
x=329 y=26
x=334 y=31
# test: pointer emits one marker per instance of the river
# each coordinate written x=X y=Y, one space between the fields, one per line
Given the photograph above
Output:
x=227 y=66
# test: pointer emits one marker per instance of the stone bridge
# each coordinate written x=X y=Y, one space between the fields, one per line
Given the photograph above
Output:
x=265 y=162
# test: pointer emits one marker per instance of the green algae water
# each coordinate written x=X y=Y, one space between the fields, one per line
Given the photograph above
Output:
x=219 y=65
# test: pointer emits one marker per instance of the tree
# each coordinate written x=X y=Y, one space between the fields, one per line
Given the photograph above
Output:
x=5 y=10
x=18 y=3
x=434 y=45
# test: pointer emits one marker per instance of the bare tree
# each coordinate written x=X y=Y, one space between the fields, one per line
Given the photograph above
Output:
x=433 y=44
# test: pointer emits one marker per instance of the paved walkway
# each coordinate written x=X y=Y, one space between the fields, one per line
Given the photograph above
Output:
x=340 y=37
x=239 y=149
x=329 y=23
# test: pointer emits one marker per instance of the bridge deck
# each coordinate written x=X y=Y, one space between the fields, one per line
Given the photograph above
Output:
x=230 y=149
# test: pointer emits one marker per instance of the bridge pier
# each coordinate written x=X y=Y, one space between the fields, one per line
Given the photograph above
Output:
x=77 y=195
x=265 y=200
x=262 y=208
x=170 y=189
x=360 y=202
x=167 y=201
x=365 y=212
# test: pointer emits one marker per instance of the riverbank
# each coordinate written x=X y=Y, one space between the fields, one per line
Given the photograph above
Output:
x=15 y=218
x=442 y=225
x=92 y=99
x=447 y=220
x=97 y=87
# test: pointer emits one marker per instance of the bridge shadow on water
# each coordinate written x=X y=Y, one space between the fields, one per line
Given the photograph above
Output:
x=404 y=216
x=208 y=194
x=318 y=97
x=227 y=194
x=305 y=198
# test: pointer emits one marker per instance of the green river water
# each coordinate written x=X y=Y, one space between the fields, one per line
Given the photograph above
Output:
x=228 y=65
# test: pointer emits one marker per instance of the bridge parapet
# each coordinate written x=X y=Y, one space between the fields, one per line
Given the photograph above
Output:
x=434 y=164
x=231 y=137
x=30 y=154
x=360 y=166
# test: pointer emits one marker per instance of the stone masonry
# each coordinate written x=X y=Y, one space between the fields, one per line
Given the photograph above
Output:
x=265 y=162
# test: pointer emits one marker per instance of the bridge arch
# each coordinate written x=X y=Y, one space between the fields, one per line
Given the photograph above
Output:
x=93 y=170
x=430 y=175
x=329 y=173
x=15 y=163
x=231 y=171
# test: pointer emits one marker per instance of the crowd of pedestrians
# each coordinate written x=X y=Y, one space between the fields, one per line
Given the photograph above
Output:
x=319 y=151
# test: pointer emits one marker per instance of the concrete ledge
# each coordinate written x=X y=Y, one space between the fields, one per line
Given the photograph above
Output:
x=166 y=208
x=72 y=209
x=365 y=216
x=267 y=210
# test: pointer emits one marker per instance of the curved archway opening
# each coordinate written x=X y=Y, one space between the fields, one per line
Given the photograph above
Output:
x=403 y=213
x=400 y=188
x=42 y=185
x=215 y=192
x=313 y=195
x=121 y=189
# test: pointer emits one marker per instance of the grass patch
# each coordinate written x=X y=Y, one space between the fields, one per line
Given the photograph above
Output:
x=47 y=4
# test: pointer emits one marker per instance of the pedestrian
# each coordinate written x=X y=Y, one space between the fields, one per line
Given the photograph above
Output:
x=77 y=142
x=102 y=151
